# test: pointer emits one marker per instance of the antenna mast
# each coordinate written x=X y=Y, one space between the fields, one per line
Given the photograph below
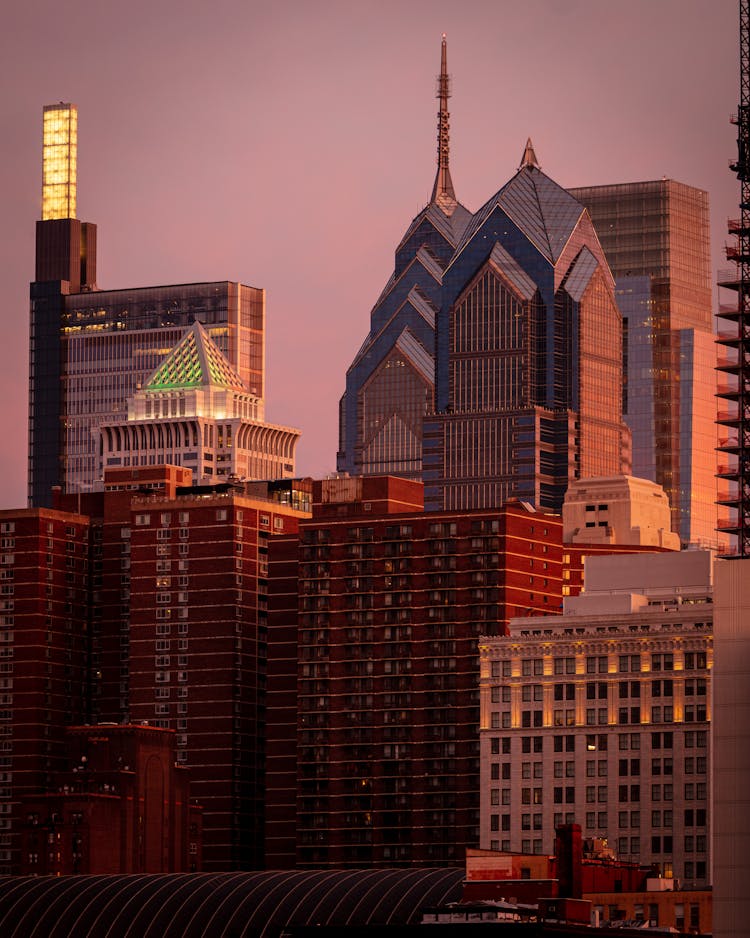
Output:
x=443 y=192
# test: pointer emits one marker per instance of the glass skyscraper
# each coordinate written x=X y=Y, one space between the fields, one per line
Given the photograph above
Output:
x=529 y=364
x=111 y=341
x=656 y=238
x=390 y=383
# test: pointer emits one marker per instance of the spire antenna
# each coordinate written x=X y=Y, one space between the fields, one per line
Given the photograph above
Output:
x=529 y=159
x=442 y=192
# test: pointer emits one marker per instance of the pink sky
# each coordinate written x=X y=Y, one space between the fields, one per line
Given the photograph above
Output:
x=289 y=144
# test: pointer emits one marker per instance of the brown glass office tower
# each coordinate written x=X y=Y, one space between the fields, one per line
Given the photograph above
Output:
x=656 y=238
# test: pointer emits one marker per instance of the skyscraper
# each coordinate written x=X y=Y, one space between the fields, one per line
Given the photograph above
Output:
x=528 y=384
x=65 y=264
x=90 y=350
x=656 y=238
x=390 y=383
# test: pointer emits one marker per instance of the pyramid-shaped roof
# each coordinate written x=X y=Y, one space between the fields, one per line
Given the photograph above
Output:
x=194 y=362
x=545 y=212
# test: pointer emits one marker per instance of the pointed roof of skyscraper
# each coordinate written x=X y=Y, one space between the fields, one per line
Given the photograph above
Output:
x=545 y=212
x=194 y=362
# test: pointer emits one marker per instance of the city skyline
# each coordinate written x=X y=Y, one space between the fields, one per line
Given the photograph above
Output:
x=265 y=166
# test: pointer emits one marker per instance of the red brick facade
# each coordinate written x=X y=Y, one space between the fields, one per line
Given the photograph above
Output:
x=122 y=806
x=390 y=609
x=320 y=675
x=44 y=649
x=199 y=648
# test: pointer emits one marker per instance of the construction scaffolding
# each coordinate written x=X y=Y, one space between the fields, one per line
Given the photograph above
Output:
x=735 y=363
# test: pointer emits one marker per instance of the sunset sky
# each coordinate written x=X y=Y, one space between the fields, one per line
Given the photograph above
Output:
x=288 y=145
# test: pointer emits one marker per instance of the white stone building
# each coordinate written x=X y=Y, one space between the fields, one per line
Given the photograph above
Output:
x=601 y=717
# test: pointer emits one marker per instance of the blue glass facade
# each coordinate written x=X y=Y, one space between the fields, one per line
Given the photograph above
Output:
x=389 y=386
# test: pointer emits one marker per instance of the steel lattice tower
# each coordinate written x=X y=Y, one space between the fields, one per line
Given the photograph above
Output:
x=736 y=363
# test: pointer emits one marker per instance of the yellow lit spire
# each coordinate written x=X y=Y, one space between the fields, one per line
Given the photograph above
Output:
x=59 y=161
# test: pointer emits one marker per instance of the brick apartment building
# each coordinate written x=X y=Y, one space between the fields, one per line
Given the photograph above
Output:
x=199 y=648
x=149 y=607
x=391 y=602
x=181 y=641
x=44 y=646
x=320 y=674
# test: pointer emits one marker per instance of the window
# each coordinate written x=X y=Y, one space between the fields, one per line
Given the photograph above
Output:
x=662 y=661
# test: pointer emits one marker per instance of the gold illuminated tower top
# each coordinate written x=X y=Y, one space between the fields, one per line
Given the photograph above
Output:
x=59 y=161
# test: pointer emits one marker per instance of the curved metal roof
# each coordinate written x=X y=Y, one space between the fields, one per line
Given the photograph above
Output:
x=220 y=905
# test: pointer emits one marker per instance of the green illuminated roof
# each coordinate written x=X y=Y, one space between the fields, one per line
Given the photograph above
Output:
x=193 y=363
